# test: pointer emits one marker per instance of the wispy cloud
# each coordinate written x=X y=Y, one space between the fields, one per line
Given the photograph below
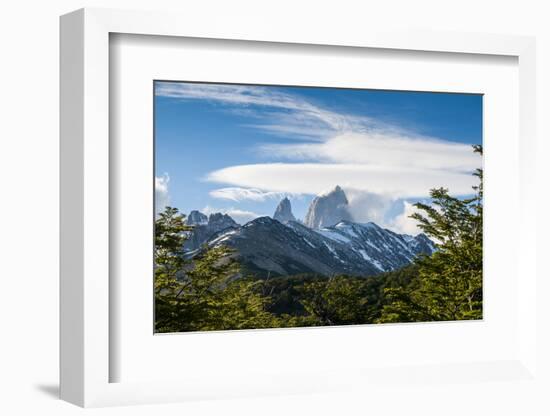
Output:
x=239 y=215
x=240 y=194
x=382 y=149
x=315 y=178
x=288 y=114
x=243 y=95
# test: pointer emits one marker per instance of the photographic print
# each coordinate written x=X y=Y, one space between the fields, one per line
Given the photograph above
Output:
x=287 y=206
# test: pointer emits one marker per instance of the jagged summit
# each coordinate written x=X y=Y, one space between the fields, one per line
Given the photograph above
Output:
x=337 y=189
x=205 y=227
x=328 y=210
x=196 y=218
x=221 y=221
x=283 y=213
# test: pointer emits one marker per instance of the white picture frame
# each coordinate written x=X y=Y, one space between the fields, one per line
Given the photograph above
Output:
x=86 y=355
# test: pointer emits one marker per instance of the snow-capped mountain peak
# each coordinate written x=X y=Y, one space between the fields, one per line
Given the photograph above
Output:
x=196 y=218
x=328 y=209
x=205 y=227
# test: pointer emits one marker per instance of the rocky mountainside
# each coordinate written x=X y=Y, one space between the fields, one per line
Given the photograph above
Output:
x=329 y=243
x=383 y=248
x=328 y=210
x=196 y=218
x=205 y=227
x=283 y=213
x=267 y=247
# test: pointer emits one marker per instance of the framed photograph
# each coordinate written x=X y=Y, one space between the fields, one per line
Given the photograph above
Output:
x=315 y=206
x=274 y=212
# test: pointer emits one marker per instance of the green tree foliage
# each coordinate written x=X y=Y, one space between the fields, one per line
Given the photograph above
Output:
x=314 y=300
x=340 y=300
x=449 y=283
x=202 y=294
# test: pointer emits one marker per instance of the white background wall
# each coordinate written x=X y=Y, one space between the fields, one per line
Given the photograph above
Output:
x=29 y=170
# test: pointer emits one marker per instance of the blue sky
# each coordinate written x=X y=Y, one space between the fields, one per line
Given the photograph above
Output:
x=240 y=148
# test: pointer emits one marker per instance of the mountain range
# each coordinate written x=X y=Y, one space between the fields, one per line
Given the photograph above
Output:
x=328 y=243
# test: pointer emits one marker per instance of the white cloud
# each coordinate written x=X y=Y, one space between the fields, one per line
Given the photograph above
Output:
x=403 y=224
x=383 y=149
x=367 y=206
x=240 y=194
x=229 y=93
x=162 y=197
x=240 y=216
x=315 y=178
